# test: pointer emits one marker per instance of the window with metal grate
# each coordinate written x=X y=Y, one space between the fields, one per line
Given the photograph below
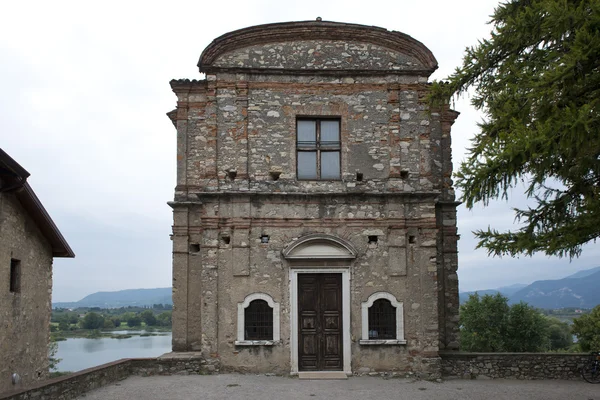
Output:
x=382 y=320
x=258 y=321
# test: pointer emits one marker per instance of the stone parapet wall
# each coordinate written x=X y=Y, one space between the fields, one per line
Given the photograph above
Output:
x=512 y=365
x=174 y=363
x=453 y=364
x=74 y=385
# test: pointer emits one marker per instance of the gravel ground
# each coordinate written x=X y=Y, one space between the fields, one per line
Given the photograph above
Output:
x=234 y=387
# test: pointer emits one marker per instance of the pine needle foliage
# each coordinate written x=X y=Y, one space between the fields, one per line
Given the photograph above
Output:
x=537 y=81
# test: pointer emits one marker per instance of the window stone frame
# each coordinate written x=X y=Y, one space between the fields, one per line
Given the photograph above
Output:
x=241 y=340
x=399 y=320
x=318 y=150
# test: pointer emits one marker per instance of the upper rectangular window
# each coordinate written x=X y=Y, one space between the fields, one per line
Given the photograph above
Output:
x=15 y=275
x=318 y=148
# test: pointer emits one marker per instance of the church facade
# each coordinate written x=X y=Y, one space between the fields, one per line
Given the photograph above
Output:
x=314 y=215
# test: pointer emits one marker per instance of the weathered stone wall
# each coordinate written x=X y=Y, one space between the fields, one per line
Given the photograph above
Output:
x=322 y=54
x=387 y=133
x=25 y=315
x=236 y=178
x=512 y=365
x=233 y=270
x=74 y=385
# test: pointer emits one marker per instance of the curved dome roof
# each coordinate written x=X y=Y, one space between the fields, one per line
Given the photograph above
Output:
x=316 y=30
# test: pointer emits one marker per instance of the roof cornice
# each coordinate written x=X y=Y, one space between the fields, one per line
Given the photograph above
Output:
x=17 y=184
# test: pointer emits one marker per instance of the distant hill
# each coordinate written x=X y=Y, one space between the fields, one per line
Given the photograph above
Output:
x=122 y=298
x=584 y=273
x=581 y=290
x=506 y=291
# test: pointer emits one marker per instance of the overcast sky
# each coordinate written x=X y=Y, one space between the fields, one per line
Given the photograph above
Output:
x=84 y=88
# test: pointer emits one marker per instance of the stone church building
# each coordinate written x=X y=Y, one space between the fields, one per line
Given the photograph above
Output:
x=314 y=215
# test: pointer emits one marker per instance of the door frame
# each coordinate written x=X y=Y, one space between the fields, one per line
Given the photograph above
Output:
x=346 y=343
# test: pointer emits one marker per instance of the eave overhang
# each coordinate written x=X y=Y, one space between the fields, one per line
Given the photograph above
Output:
x=14 y=180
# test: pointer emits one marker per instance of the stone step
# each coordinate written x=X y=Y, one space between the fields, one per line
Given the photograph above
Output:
x=323 y=375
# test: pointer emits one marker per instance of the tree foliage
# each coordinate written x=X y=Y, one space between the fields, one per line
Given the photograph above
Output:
x=92 y=320
x=587 y=330
x=165 y=318
x=134 y=321
x=53 y=361
x=559 y=334
x=537 y=80
x=63 y=325
x=148 y=318
x=526 y=329
x=483 y=320
x=488 y=324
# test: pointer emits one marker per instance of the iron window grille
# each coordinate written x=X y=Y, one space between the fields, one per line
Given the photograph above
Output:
x=258 y=321
x=382 y=320
x=318 y=149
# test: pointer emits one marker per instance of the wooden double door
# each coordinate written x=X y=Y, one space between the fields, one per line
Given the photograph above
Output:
x=320 y=322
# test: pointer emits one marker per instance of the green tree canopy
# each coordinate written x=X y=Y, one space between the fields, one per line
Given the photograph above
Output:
x=526 y=329
x=108 y=324
x=483 y=321
x=165 y=318
x=587 y=330
x=559 y=334
x=489 y=324
x=63 y=325
x=537 y=80
x=134 y=321
x=148 y=317
x=92 y=320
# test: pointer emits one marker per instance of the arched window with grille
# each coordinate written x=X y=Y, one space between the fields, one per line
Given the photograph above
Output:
x=382 y=320
x=258 y=321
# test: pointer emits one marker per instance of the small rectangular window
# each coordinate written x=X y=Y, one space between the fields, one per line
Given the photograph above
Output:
x=15 y=275
x=318 y=149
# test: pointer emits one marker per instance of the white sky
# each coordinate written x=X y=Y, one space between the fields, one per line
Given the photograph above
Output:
x=84 y=88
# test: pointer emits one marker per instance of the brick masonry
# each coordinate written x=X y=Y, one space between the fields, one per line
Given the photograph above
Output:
x=236 y=179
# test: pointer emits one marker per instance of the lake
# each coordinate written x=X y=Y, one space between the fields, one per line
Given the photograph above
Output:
x=82 y=353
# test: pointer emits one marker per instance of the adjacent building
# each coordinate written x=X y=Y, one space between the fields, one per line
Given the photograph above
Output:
x=314 y=214
x=29 y=241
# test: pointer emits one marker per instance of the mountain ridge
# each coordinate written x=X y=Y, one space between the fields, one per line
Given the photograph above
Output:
x=122 y=298
x=579 y=290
